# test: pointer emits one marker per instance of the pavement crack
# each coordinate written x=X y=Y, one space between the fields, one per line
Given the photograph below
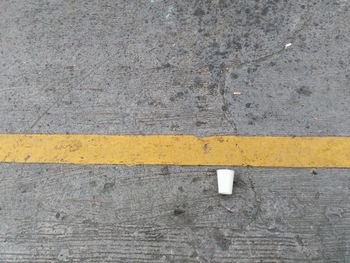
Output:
x=261 y=59
x=257 y=213
x=43 y=114
x=225 y=106
x=228 y=117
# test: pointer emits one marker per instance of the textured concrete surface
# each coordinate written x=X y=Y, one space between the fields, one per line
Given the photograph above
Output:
x=171 y=67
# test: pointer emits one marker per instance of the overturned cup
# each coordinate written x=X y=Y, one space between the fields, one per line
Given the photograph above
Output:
x=225 y=181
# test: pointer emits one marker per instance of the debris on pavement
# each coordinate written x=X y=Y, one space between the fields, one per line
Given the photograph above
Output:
x=287 y=45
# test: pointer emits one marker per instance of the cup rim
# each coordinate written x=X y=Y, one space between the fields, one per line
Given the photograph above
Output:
x=231 y=170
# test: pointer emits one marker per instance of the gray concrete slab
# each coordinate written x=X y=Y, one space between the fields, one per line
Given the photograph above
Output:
x=53 y=213
x=172 y=67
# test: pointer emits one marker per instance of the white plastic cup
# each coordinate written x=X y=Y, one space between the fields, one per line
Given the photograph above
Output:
x=225 y=181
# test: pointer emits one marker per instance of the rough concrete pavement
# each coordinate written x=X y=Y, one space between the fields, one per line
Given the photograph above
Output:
x=172 y=67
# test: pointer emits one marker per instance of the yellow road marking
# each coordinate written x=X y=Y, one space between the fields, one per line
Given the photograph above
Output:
x=263 y=151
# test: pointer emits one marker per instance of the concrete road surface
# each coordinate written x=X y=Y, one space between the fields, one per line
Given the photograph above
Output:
x=243 y=67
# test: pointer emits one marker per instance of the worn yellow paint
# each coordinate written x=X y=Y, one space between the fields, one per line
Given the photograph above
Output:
x=264 y=151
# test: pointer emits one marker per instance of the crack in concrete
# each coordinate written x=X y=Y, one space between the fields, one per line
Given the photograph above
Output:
x=225 y=107
x=222 y=83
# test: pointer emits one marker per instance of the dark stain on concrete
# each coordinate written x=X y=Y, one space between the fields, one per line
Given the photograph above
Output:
x=195 y=179
x=221 y=241
x=317 y=195
x=234 y=76
x=177 y=96
x=108 y=187
x=165 y=170
x=178 y=211
x=265 y=11
x=304 y=90
x=299 y=240
x=200 y=123
x=199 y=12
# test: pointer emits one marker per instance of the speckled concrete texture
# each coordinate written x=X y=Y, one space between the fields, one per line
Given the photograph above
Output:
x=173 y=67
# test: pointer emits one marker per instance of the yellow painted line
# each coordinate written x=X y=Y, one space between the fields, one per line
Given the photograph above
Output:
x=263 y=151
